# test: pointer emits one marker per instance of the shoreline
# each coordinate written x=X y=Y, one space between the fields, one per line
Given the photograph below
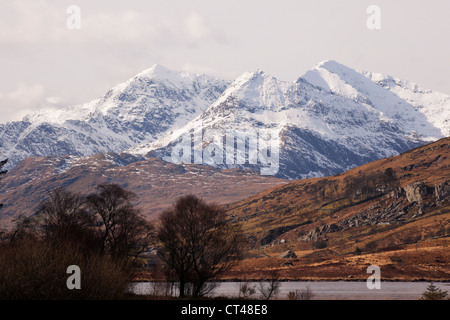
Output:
x=307 y=280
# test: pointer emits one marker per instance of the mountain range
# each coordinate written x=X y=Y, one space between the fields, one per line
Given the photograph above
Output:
x=140 y=110
x=371 y=153
x=331 y=119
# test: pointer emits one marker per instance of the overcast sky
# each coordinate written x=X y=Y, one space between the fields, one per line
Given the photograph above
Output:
x=43 y=63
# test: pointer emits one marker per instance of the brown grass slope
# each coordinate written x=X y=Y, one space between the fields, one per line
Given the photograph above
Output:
x=394 y=213
x=157 y=183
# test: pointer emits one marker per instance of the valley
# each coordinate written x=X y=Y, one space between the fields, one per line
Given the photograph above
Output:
x=362 y=164
x=156 y=183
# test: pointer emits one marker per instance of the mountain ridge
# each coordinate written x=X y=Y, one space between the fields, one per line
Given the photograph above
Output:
x=326 y=121
x=313 y=122
x=132 y=112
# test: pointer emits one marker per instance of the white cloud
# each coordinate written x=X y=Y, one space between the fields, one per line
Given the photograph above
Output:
x=144 y=29
x=111 y=42
x=37 y=22
x=119 y=39
x=26 y=99
x=194 y=68
x=199 y=29
x=30 y=22
x=23 y=96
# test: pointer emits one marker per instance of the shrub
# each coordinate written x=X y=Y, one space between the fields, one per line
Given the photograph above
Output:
x=319 y=244
x=306 y=294
x=69 y=230
x=245 y=290
x=36 y=270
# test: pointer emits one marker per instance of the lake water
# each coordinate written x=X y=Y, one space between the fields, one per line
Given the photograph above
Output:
x=321 y=290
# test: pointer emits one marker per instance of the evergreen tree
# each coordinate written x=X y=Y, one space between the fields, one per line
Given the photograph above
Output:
x=433 y=293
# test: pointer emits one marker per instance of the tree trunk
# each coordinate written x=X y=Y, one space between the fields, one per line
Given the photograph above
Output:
x=182 y=287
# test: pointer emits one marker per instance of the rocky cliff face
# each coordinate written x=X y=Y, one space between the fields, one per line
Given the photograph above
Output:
x=397 y=206
x=442 y=191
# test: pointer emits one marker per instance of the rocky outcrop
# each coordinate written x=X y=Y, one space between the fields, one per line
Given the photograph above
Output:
x=316 y=233
x=395 y=211
x=396 y=194
x=442 y=191
x=397 y=206
x=415 y=192
x=275 y=233
x=408 y=202
x=288 y=255
x=418 y=191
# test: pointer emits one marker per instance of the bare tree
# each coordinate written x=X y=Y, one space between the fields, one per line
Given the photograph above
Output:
x=70 y=229
x=63 y=217
x=306 y=294
x=246 y=290
x=271 y=289
x=123 y=230
x=24 y=227
x=198 y=243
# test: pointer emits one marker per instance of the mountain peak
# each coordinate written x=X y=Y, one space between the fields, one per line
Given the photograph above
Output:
x=319 y=75
x=254 y=76
x=329 y=63
x=179 y=79
x=254 y=87
x=333 y=67
x=156 y=71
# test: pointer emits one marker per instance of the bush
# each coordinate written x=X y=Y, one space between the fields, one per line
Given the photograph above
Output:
x=319 y=244
x=37 y=270
x=245 y=290
x=306 y=294
x=102 y=235
x=371 y=246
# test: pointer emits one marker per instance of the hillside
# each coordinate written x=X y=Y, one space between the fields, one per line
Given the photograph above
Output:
x=393 y=212
x=157 y=183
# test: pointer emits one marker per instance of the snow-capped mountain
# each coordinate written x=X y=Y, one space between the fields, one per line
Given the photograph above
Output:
x=331 y=119
x=420 y=110
x=138 y=111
